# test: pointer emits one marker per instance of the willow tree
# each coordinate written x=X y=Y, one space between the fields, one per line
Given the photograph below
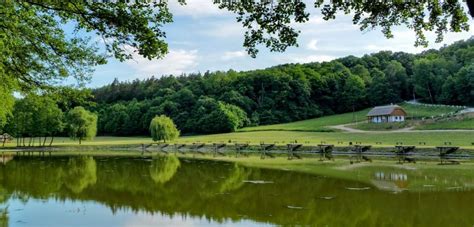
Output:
x=81 y=124
x=163 y=128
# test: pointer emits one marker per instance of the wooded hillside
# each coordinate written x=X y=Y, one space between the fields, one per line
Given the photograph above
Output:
x=224 y=101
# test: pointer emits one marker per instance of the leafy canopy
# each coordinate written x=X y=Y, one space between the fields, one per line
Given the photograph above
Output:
x=163 y=128
x=81 y=124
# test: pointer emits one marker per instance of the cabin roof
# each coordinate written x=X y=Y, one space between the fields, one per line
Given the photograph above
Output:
x=384 y=110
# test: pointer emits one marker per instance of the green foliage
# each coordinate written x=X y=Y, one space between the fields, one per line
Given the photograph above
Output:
x=270 y=23
x=36 y=116
x=287 y=93
x=80 y=173
x=163 y=128
x=162 y=169
x=81 y=124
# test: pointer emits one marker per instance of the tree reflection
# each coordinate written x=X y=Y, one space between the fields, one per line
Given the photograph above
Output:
x=236 y=178
x=80 y=173
x=163 y=168
x=220 y=191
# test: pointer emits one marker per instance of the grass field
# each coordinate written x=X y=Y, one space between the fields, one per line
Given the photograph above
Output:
x=466 y=123
x=315 y=125
x=462 y=139
x=321 y=123
x=380 y=126
x=420 y=111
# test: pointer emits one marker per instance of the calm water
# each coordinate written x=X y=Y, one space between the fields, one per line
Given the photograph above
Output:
x=165 y=191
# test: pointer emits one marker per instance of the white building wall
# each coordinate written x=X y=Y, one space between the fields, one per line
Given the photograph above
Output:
x=380 y=119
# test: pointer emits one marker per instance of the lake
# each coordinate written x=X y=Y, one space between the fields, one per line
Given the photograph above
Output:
x=167 y=191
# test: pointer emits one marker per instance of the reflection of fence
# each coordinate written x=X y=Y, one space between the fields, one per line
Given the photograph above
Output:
x=357 y=152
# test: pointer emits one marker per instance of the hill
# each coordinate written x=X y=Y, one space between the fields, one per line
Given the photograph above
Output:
x=321 y=124
x=216 y=102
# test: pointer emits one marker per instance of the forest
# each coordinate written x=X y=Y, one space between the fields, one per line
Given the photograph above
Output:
x=215 y=102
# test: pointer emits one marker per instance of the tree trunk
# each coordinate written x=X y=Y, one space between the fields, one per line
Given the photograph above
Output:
x=51 y=142
x=4 y=141
x=23 y=138
x=353 y=113
x=44 y=141
x=29 y=142
x=39 y=141
x=80 y=141
x=431 y=96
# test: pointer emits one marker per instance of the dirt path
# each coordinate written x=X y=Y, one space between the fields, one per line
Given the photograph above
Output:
x=345 y=128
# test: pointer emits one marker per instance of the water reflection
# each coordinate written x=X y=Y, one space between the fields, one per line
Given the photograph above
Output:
x=120 y=190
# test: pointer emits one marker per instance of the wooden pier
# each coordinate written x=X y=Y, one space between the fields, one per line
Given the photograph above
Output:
x=359 y=156
x=292 y=148
x=217 y=147
x=325 y=152
x=403 y=154
x=265 y=148
x=196 y=148
x=445 y=155
x=239 y=147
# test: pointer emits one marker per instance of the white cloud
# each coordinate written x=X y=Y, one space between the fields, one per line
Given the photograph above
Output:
x=304 y=58
x=228 y=55
x=196 y=8
x=176 y=62
x=313 y=58
x=224 y=29
x=312 y=45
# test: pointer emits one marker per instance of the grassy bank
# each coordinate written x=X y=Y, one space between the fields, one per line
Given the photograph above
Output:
x=466 y=123
x=316 y=124
x=320 y=124
x=383 y=139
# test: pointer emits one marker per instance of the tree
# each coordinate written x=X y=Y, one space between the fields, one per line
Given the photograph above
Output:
x=270 y=22
x=81 y=124
x=163 y=128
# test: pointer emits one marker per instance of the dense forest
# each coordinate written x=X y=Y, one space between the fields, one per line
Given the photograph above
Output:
x=215 y=102
x=224 y=101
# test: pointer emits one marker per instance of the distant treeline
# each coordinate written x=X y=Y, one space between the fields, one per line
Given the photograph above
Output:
x=224 y=101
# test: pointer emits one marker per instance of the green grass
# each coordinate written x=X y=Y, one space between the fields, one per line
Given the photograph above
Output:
x=380 y=126
x=466 y=123
x=320 y=124
x=419 y=111
x=463 y=139
x=315 y=125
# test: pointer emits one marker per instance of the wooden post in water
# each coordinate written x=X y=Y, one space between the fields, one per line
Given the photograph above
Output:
x=239 y=147
x=217 y=147
x=325 y=151
x=292 y=147
x=264 y=148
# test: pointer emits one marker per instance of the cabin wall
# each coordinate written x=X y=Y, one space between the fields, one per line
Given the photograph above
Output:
x=382 y=119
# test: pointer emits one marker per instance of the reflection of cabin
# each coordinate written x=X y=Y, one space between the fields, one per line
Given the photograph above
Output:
x=5 y=138
x=382 y=114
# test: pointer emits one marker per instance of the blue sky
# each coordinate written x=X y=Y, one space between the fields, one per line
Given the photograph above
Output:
x=202 y=38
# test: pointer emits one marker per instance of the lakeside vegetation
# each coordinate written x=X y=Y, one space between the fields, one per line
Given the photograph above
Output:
x=387 y=139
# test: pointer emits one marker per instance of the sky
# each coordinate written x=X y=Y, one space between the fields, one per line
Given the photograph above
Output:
x=203 y=37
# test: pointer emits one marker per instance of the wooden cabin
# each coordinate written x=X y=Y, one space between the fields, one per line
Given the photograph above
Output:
x=384 y=114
